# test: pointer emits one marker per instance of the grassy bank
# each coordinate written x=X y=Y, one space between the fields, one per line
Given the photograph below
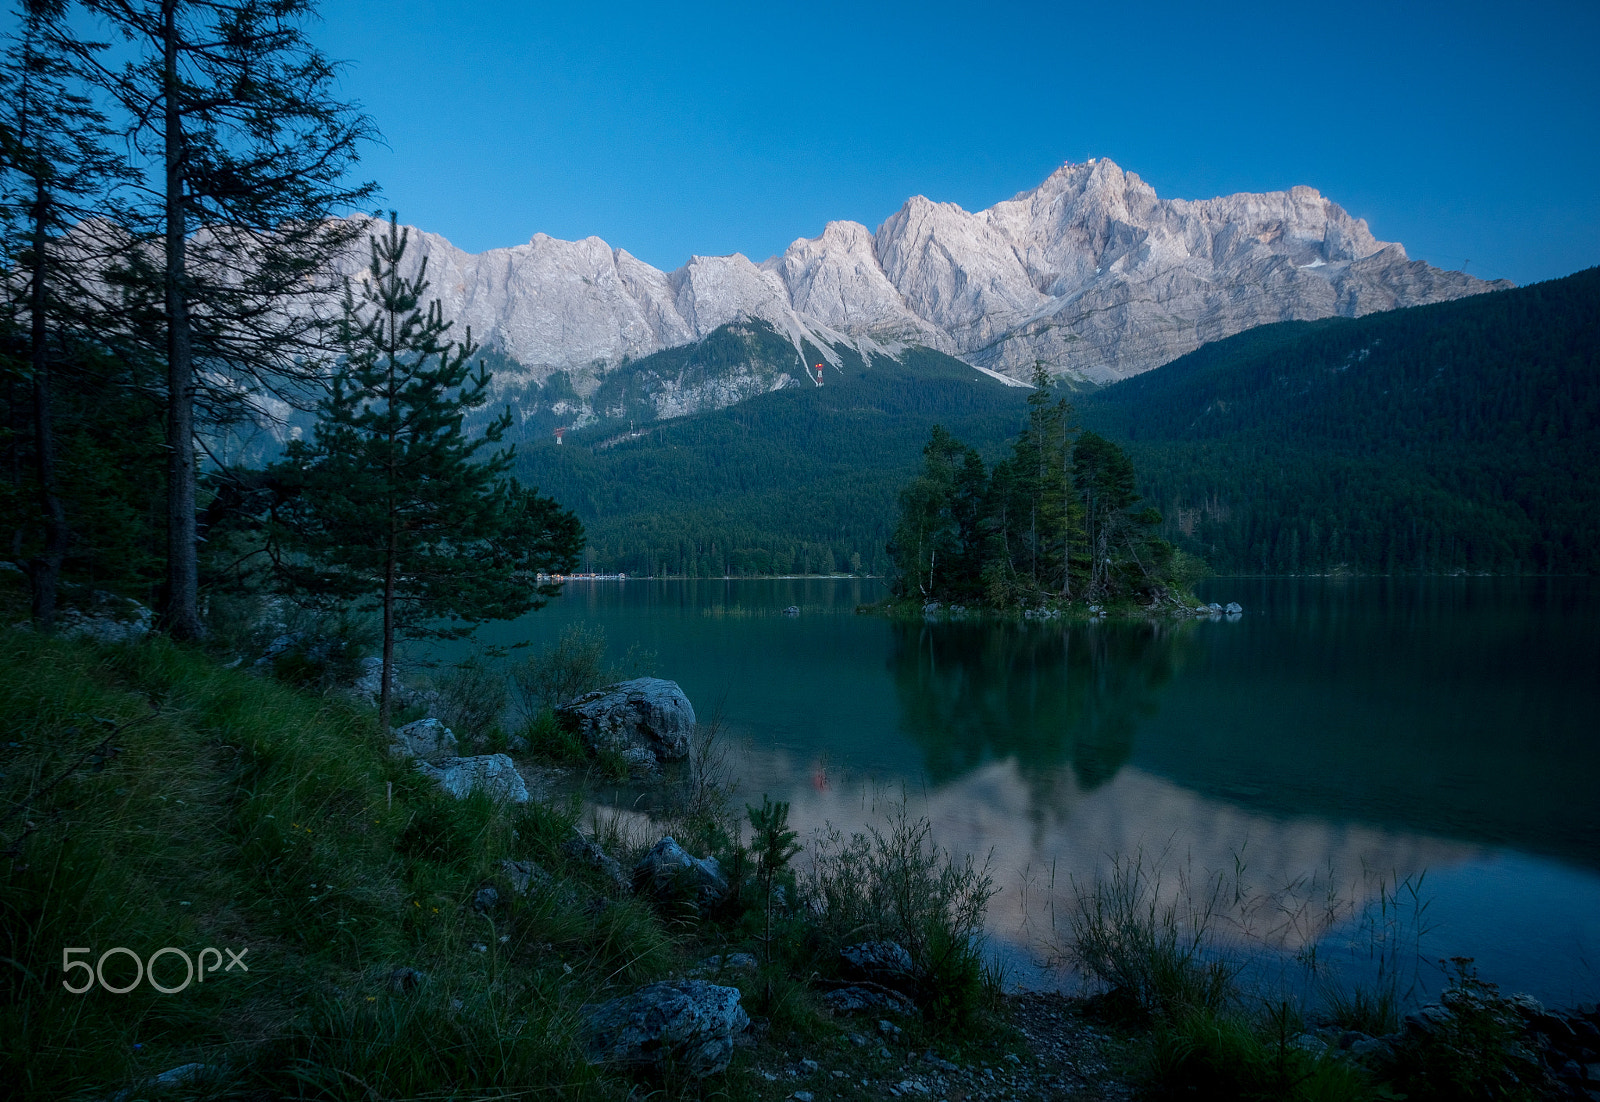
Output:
x=154 y=799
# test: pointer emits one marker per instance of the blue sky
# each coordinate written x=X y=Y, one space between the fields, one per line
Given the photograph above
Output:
x=1466 y=131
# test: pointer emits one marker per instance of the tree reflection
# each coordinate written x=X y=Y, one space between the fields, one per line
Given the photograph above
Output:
x=1048 y=695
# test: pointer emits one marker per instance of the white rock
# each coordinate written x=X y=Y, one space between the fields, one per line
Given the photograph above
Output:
x=494 y=773
x=1090 y=272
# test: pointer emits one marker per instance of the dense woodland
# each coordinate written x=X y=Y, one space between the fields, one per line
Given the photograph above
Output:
x=802 y=480
x=1457 y=437
x=1437 y=439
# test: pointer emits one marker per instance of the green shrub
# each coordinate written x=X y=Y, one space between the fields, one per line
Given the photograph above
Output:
x=898 y=885
x=473 y=695
x=574 y=665
x=154 y=799
x=1206 y=1054
x=1374 y=1011
x=1154 y=958
x=1473 y=1051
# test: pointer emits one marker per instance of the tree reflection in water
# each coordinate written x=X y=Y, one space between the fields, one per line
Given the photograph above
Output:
x=1048 y=695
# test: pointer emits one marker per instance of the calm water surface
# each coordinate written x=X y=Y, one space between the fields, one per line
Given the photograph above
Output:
x=1339 y=739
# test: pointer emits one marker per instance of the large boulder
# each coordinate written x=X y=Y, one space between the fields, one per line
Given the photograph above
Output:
x=687 y=1026
x=668 y=871
x=493 y=773
x=646 y=713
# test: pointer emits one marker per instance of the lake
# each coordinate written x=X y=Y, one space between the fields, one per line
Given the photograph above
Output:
x=1354 y=770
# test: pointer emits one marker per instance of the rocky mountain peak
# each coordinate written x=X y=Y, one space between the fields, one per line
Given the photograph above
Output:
x=1090 y=272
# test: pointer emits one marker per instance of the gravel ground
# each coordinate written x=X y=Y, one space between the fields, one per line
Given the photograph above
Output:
x=1054 y=1053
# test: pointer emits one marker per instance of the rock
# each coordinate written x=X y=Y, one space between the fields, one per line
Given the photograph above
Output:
x=687 y=1026
x=587 y=852
x=426 y=738
x=405 y=980
x=524 y=876
x=486 y=899
x=802 y=1096
x=1430 y=1019
x=1373 y=1048
x=647 y=712
x=369 y=684
x=858 y=999
x=809 y=1067
x=883 y=961
x=641 y=760
x=1090 y=272
x=889 y=1029
x=493 y=773
x=1233 y=608
x=668 y=871
x=735 y=962
x=1311 y=1044
x=792 y=610
x=184 y=1075
x=940 y=1062
x=931 y=608
x=107 y=619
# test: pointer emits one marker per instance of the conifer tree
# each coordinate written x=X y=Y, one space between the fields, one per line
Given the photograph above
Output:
x=250 y=154
x=390 y=503
x=1040 y=520
x=54 y=164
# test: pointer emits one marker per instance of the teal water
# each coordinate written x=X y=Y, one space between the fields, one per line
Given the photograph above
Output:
x=1338 y=740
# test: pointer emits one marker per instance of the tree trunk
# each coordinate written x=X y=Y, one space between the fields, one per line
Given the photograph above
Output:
x=182 y=613
x=388 y=635
x=45 y=571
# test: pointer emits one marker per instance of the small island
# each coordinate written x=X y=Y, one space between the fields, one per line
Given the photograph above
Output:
x=1055 y=529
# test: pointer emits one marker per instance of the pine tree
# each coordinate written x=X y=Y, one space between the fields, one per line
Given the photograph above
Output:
x=1105 y=481
x=54 y=164
x=390 y=504
x=1038 y=518
x=251 y=152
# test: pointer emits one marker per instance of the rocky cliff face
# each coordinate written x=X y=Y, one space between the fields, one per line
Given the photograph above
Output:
x=1090 y=272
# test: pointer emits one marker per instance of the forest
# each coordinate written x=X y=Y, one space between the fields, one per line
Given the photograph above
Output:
x=1458 y=437
x=1432 y=440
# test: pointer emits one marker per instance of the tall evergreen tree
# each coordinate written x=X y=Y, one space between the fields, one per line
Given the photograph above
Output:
x=1105 y=482
x=390 y=503
x=236 y=107
x=1036 y=515
x=55 y=165
x=938 y=540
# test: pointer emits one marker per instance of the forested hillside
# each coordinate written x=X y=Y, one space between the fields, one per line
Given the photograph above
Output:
x=1460 y=436
x=801 y=480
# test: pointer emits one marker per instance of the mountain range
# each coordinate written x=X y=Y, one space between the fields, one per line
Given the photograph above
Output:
x=1090 y=273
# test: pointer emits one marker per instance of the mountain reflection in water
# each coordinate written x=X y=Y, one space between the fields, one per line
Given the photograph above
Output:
x=1341 y=732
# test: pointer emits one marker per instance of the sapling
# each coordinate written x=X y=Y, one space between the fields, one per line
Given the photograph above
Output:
x=773 y=845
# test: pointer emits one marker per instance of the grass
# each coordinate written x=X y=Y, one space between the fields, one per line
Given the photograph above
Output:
x=152 y=798
x=1207 y=1054
x=1154 y=956
x=231 y=811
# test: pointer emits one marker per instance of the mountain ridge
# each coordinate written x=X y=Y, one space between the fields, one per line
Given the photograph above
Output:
x=1090 y=273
